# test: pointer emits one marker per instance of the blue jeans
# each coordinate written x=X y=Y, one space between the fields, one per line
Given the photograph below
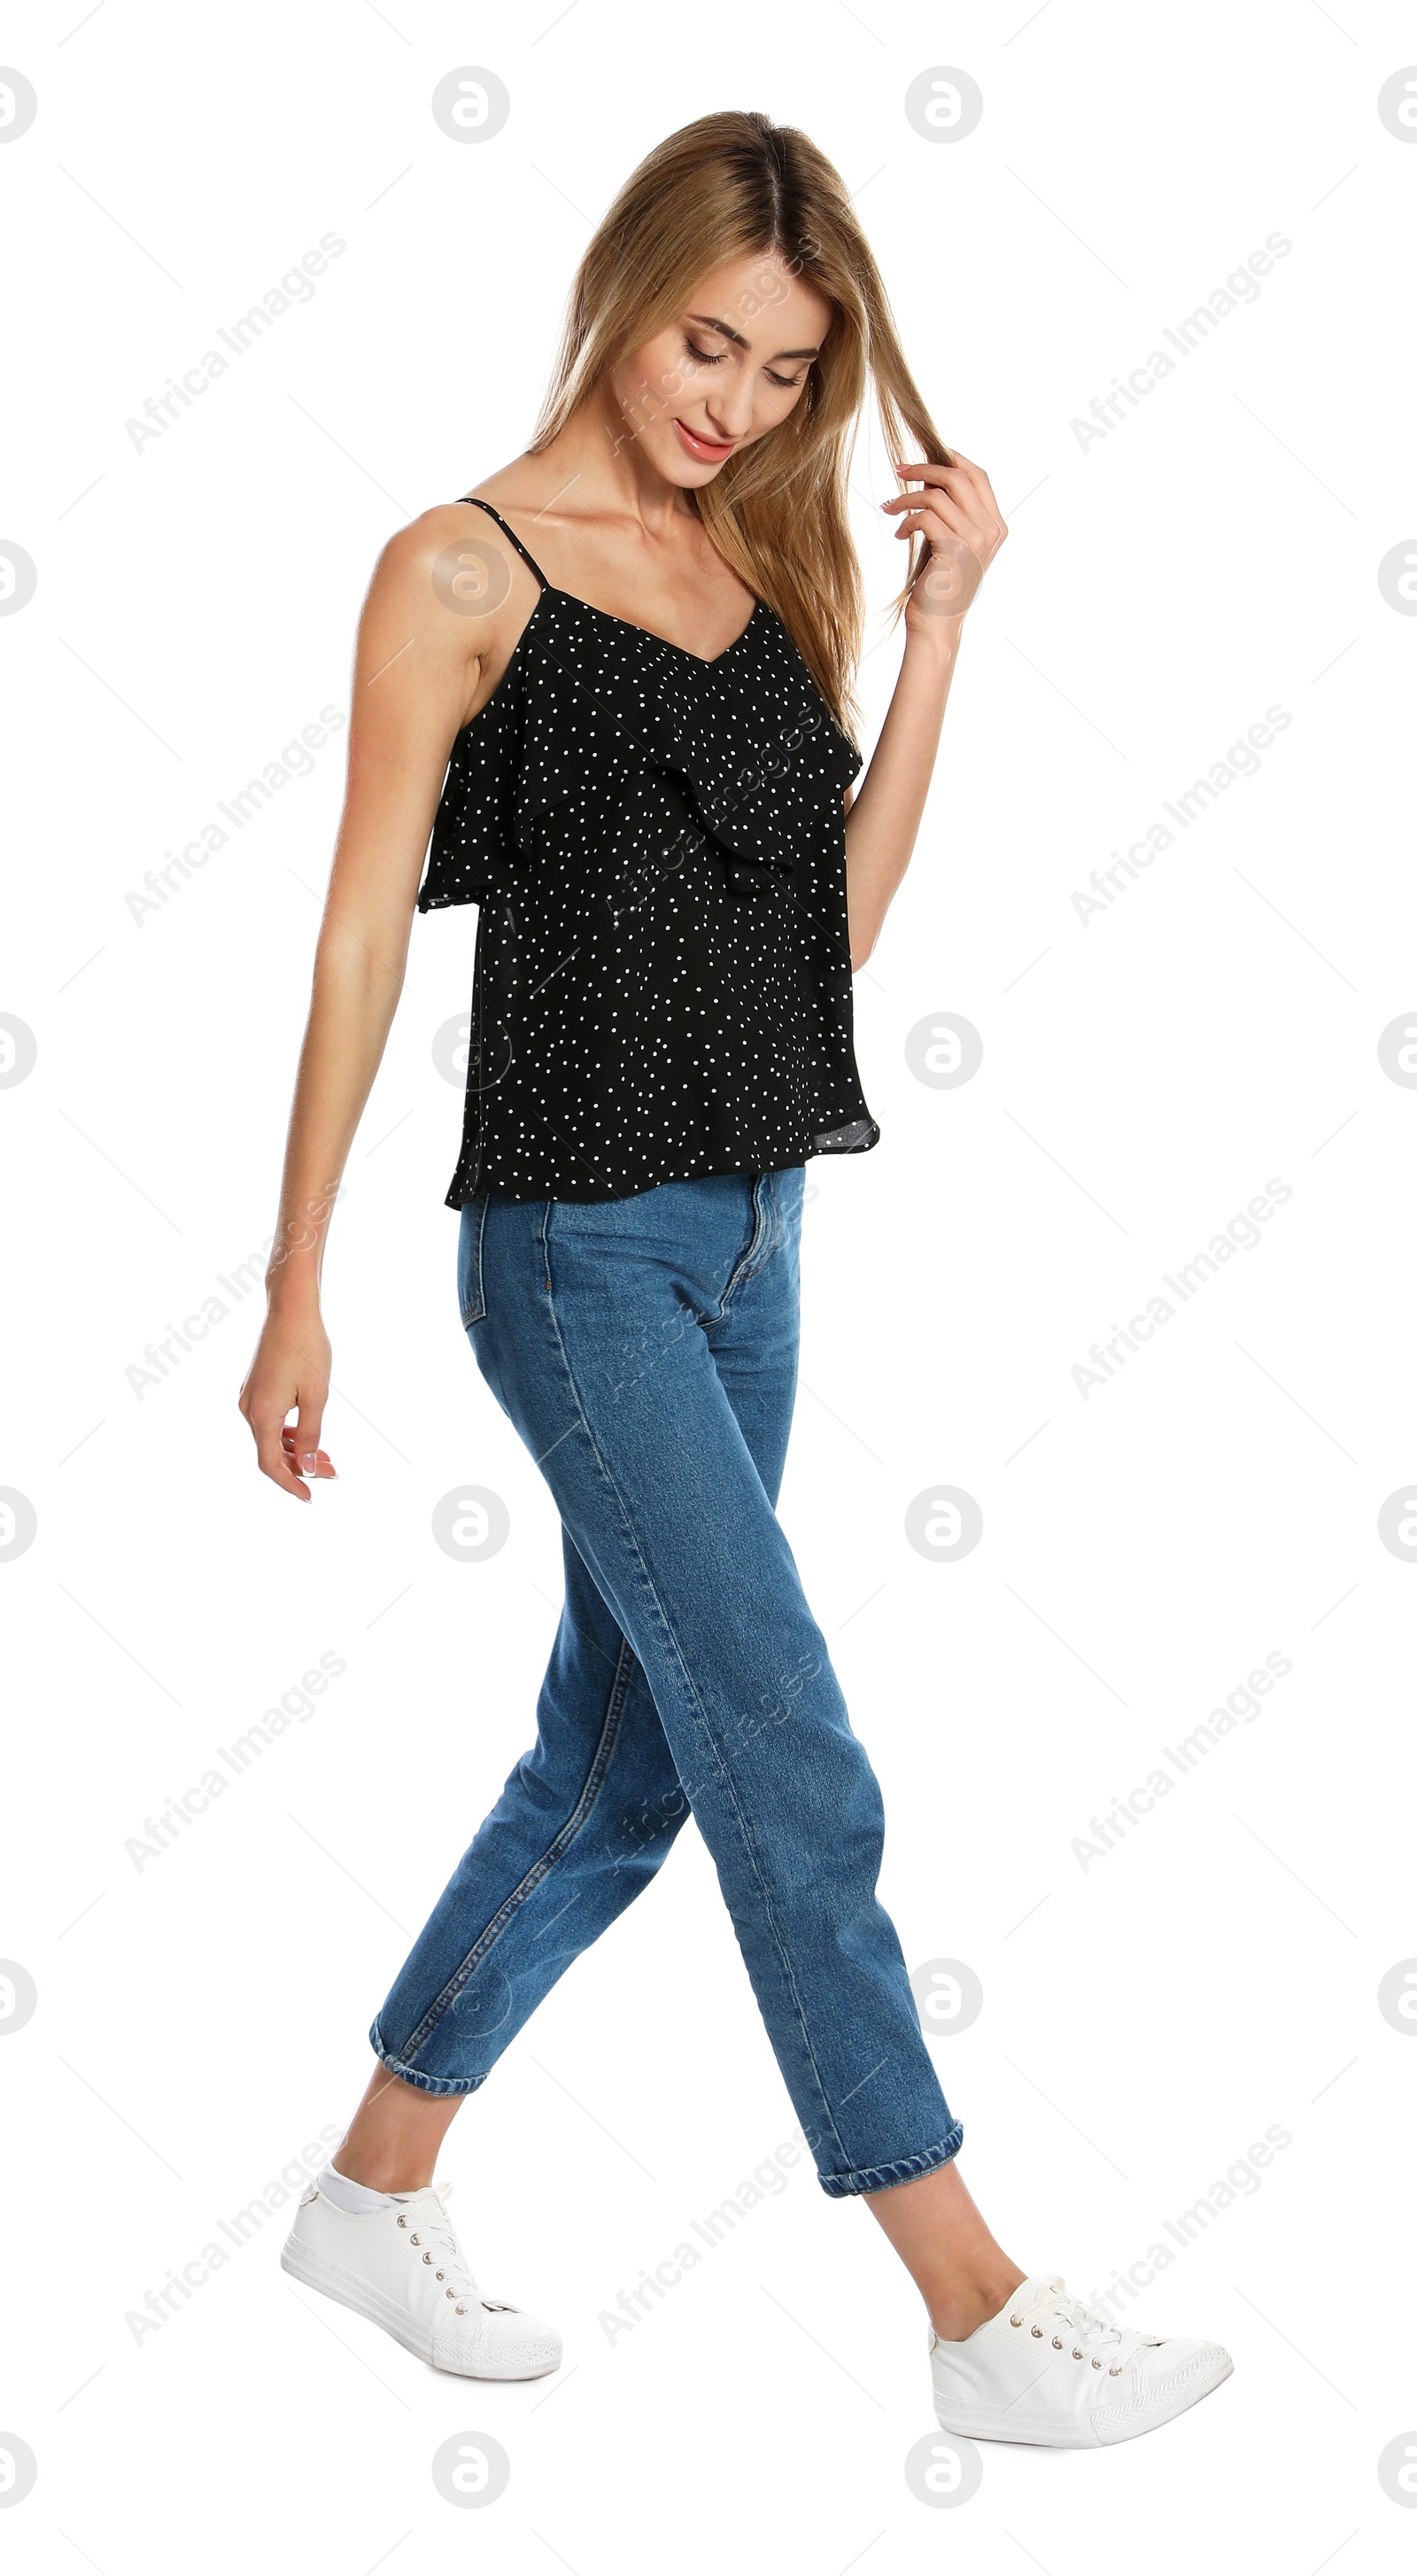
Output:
x=646 y=1350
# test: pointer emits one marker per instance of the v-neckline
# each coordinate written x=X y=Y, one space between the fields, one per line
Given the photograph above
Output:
x=552 y=590
x=706 y=661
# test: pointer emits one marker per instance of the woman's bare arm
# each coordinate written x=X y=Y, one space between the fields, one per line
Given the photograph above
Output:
x=421 y=669
x=957 y=511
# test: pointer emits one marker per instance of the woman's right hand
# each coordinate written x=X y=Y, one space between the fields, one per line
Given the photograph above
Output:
x=290 y=1373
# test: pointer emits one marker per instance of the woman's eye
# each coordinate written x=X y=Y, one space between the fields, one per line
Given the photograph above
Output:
x=715 y=357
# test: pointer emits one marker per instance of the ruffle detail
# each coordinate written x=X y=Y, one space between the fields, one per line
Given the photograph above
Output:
x=597 y=715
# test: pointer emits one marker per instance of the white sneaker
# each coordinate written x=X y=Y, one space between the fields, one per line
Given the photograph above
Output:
x=1049 y=2369
x=402 y=2265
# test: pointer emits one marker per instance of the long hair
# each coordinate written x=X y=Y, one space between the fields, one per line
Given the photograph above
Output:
x=730 y=186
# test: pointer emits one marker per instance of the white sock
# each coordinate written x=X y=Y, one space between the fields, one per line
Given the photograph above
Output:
x=355 y=2197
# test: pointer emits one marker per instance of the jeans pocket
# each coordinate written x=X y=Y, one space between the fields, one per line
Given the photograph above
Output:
x=472 y=1303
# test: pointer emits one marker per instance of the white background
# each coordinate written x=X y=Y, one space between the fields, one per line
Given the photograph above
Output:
x=1144 y=1548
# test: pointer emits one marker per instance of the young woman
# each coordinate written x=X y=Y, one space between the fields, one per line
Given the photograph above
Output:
x=614 y=685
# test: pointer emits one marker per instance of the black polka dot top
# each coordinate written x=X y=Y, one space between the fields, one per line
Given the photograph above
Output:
x=656 y=846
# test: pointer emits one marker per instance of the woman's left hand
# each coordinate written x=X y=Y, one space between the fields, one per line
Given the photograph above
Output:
x=961 y=519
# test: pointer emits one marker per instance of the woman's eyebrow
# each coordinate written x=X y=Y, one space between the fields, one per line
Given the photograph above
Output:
x=709 y=324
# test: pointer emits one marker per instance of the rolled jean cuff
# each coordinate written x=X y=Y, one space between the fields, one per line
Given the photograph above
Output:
x=905 y=2169
x=445 y=2084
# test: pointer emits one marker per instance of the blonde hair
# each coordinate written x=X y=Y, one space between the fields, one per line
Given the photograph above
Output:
x=726 y=187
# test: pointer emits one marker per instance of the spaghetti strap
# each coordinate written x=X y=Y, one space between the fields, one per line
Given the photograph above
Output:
x=526 y=556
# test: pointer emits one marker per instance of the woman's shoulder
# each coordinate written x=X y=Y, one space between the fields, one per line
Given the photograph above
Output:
x=456 y=564
x=417 y=548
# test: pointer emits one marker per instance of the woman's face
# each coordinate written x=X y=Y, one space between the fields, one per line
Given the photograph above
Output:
x=728 y=368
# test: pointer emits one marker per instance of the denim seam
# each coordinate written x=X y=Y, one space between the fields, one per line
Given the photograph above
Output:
x=746 y=1266
x=900 y=2169
x=599 y=1765
x=720 y=1766
x=442 y=2084
x=474 y=1312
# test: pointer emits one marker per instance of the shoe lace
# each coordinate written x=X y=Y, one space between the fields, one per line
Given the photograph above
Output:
x=1088 y=2336
x=436 y=2239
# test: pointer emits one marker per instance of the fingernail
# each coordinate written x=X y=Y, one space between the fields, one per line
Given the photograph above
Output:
x=309 y=1462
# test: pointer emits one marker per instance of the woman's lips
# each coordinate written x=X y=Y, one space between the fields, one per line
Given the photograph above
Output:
x=714 y=448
